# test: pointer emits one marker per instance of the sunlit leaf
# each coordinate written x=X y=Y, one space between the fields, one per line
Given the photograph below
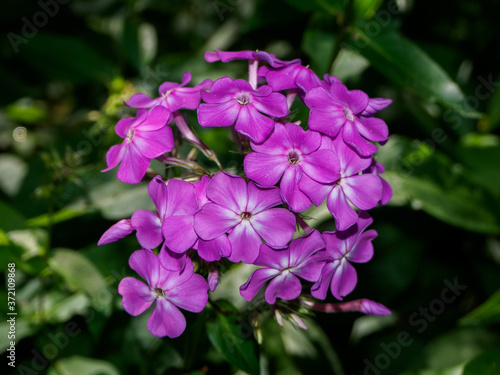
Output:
x=486 y=313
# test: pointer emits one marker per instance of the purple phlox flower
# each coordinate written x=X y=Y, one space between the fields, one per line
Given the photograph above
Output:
x=288 y=153
x=173 y=96
x=342 y=248
x=284 y=267
x=145 y=137
x=226 y=56
x=364 y=191
x=236 y=101
x=169 y=289
x=339 y=109
x=244 y=210
x=176 y=205
x=328 y=81
x=210 y=250
x=377 y=169
x=375 y=105
x=171 y=260
x=290 y=77
x=117 y=231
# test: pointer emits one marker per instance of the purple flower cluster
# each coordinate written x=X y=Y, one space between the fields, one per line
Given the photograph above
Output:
x=204 y=217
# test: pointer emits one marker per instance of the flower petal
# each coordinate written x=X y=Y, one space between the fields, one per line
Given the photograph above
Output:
x=344 y=280
x=191 y=295
x=213 y=250
x=115 y=155
x=181 y=198
x=116 y=232
x=265 y=169
x=148 y=227
x=179 y=232
x=146 y=264
x=276 y=226
x=363 y=191
x=271 y=105
x=229 y=191
x=262 y=198
x=214 y=220
x=133 y=166
x=166 y=320
x=245 y=243
x=372 y=128
x=122 y=127
x=322 y=166
x=256 y=282
x=342 y=212
x=154 y=143
x=286 y=286
x=253 y=124
x=223 y=114
x=296 y=199
x=141 y=100
x=137 y=296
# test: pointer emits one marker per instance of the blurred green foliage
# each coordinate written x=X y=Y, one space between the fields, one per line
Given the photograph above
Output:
x=66 y=68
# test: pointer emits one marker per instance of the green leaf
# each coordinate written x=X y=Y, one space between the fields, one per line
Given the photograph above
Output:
x=407 y=65
x=492 y=119
x=60 y=216
x=486 y=313
x=79 y=63
x=10 y=219
x=24 y=328
x=318 y=45
x=366 y=8
x=82 y=366
x=80 y=274
x=232 y=337
x=487 y=363
x=330 y=6
x=64 y=310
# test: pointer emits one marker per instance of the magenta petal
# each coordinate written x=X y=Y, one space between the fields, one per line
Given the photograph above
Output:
x=374 y=308
x=213 y=250
x=350 y=162
x=114 y=155
x=116 y=232
x=181 y=198
x=157 y=190
x=122 y=127
x=148 y=227
x=172 y=261
x=276 y=226
x=344 y=280
x=214 y=220
x=386 y=192
x=362 y=250
x=142 y=101
x=256 y=282
x=191 y=295
x=272 y=105
x=315 y=191
x=322 y=166
x=372 y=128
x=265 y=169
x=271 y=258
x=245 y=243
x=351 y=136
x=261 y=198
x=146 y=264
x=342 y=212
x=296 y=199
x=137 y=296
x=183 y=98
x=253 y=124
x=154 y=143
x=375 y=105
x=320 y=288
x=179 y=233
x=156 y=119
x=286 y=286
x=363 y=191
x=302 y=248
x=223 y=114
x=166 y=320
x=229 y=191
x=133 y=166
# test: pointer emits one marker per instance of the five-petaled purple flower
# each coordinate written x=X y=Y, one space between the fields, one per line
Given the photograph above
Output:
x=244 y=210
x=169 y=289
x=289 y=153
x=145 y=137
x=283 y=267
x=343 y=247
x=236 y=101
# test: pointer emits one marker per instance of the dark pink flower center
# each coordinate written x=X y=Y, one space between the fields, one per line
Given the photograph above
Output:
x=243 y=98
x=293 y=157
x=159 y=292
x=246 y=215
x=348 y=114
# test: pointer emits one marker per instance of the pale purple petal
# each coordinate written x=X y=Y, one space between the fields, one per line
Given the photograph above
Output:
x=286 y=286
x=262 y=198
x=154 y=143
x=315 y=191
x=276 y=226
x=363 y=191
x=122 y=127
x=148 y=227
x=265 y=169
x=181 y=198
x=344 y=280
x=137 y=296
x=362 y=250
x=322 y=166
x=114 y=155
x=156 y=119
x=342 y=212
x=146 y=264
x=386 y=192
x=157 y=190
x=245 y=243
x=223 y=114
x=133 y=166
x=351 y=136
x=372 y=128
x=116 y=232
x=172 y=261
x=179 y=232
x=141 y=100
x=350 y=162
x=375 y=308
x=213 y=250
x=296 y=199
x=191 y=295
x=375 y=105
x=214 y=220
x=302 y=248
x=253 y=124
x=229 y=191
x=166 y=320
x=256 y=282
x=201 y=190
x=272 y=105
x=271 y=258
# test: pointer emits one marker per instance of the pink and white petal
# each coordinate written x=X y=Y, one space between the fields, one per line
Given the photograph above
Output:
x=272 y=105
x=271 y=258
x=214 y=220
x=315 y=191
x=262 y=198
x=256 y=282
x=344 y=280
x=363 y=191
x=166 y=320
x=157 y=118
x=192 y=295
x=320 y=288
x=154 y=143
x=115 y=155
x=181 y=198
x=122 y=127
x=115 y=232
x=245 y=243
x=228 y=191
x=338 y=243
x=141 y=100
x=148 y=227
x=265 y=169
x=322 y=166
x=253 y=124
x=133 y=166
x=286 y=286
x=137 y=296
x=372 y=128
x=213 y=250
x=362 y=250
x=342 y=212
x=179 y=233
x=146 y=264
x=276 y=226
x=302 y=248
x=351 y=136
x=295 y=198
x=217 y=115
